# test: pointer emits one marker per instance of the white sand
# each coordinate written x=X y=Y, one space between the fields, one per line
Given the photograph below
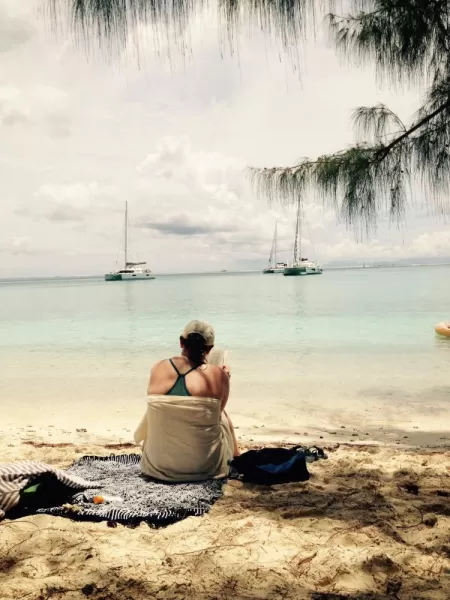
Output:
x=74 y=424
x=355 y=528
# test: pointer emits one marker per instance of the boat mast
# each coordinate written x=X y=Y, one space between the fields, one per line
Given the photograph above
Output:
x=300 y=230
x=275 y=242
x=298 y=237
x=126 y=233
x=273 y=250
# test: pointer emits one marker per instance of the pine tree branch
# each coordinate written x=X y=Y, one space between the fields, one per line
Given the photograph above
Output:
x=380 y=155
x=352 y=18
x=385 y=151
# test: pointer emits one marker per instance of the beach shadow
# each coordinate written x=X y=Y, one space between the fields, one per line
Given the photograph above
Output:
x=358 y=497
x=363 y=501
x=184 y=584
x=176 y=583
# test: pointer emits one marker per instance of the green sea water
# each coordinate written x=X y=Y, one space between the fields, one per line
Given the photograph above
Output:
x=350 y=344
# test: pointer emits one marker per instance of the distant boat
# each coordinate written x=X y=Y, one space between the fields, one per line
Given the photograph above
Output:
x=131 y=270
x=274 y=266
x=300 y=266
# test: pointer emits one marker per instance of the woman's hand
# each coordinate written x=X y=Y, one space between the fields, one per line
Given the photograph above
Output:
x=226 y=369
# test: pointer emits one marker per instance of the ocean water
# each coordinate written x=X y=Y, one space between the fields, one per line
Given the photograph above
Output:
x=351 y=345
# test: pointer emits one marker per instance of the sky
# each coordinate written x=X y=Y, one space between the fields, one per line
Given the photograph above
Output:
x=81 y=133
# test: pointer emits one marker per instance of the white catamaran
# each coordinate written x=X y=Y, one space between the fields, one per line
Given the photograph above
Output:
x=131 y=270
x=274 y=266
x=300 y=266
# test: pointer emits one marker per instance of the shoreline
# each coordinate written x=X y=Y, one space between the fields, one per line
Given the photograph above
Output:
x=14 y=439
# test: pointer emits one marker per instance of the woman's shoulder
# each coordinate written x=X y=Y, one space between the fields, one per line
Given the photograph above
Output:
x=216 y=372
x=214 y=368
x=162 y=364
x=168 y=364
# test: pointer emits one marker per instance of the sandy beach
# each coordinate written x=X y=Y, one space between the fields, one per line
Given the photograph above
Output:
x=372 y=523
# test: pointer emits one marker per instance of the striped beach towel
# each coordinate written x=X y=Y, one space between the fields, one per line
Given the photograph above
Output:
x=14 y=477
x=139 y=497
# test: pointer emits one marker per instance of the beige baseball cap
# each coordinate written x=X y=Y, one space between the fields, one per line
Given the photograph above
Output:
x=204 y=329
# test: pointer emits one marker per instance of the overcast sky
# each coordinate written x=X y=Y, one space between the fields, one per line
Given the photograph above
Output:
x=80 y=136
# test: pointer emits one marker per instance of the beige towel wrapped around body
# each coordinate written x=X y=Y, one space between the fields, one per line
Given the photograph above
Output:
x=185 y=438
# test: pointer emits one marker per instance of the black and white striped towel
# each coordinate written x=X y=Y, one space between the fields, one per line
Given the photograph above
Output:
x=143 y=499
x=14 y=477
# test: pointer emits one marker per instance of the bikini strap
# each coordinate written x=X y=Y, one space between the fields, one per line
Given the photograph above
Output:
x=178 y=372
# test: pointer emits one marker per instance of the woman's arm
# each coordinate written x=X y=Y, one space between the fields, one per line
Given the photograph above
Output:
x=225 y=389
x=153 y=381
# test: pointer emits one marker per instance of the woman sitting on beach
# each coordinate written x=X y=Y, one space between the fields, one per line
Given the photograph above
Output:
x=187 y=433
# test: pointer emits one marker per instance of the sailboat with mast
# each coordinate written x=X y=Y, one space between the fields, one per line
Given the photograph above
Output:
x=274 y=266
x=131 y=270
x=300 y=266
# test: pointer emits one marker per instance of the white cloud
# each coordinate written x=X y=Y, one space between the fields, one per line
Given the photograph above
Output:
x=202 y=173
x=13 y=108
x=427 y=245
x=199 y=202
x=16 y=246
x=435 y=243
x=14 y=31
x=35 y=105
x=79 y=195
x=67 y=203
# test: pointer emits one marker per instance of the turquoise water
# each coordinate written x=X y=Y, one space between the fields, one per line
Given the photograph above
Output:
x=358 y=344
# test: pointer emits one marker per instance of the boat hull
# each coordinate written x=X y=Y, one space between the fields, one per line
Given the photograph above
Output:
x=317 y=271
x=133 y=276
x=128 y=277
x=113 y=277
x=294 y=271
x=273 y=271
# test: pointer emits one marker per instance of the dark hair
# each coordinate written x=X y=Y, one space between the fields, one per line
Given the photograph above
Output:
x=195 y=346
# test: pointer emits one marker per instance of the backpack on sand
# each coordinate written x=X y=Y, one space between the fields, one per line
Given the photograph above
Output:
x=271 y=466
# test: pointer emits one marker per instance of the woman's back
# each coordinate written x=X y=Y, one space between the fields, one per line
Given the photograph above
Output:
x=178 y=376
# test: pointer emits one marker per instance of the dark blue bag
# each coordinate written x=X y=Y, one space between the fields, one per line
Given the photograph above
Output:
x=271 y=466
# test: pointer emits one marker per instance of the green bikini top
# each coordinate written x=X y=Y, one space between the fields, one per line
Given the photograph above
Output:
x=179 y=387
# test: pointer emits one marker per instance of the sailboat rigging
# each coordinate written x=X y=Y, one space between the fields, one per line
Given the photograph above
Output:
x=274 y=266
x=131 y=270
x=300 y=266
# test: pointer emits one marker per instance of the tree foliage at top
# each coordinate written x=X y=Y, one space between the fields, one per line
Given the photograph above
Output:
x=113 y=20
x=408 y=40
